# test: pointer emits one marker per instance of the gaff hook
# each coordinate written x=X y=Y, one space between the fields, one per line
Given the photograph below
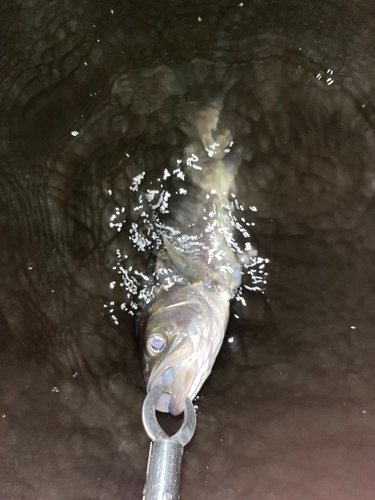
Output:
x=165 y=456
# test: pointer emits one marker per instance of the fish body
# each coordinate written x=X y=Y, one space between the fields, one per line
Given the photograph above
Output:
x=184 y=326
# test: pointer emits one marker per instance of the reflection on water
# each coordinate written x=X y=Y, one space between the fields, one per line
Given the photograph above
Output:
x=151 y=204
x=98 y=151
x=169 y=188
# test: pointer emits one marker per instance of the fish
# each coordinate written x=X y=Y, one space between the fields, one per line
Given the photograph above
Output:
x=183 y=327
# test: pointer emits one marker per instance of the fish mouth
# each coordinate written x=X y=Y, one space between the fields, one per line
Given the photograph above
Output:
x=182 y=381
x=179 y=371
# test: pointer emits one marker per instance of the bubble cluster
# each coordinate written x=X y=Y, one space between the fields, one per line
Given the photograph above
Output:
x=210 y=226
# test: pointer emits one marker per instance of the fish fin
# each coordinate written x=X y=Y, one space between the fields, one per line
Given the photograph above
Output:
x=192 y=271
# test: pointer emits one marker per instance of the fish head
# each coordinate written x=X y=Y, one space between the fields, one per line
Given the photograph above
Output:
x=180 y=344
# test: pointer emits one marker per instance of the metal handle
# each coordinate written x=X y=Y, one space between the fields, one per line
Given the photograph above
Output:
x=165 y=456
x=163 y=470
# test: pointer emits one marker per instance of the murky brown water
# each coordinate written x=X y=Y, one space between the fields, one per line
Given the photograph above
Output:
x=91 y=96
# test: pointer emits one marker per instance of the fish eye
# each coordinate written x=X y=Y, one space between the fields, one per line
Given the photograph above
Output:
x=156 y=343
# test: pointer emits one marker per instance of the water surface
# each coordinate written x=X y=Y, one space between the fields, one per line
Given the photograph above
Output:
x=93 y=99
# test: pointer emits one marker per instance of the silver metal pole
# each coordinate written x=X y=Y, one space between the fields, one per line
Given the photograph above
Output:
x=164 y=470
x=165 y=456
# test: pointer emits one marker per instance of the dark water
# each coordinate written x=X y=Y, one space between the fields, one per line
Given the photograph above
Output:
x=288 y=412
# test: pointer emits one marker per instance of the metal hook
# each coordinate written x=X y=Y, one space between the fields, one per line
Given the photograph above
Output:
x=165 y=456
x=152 y=426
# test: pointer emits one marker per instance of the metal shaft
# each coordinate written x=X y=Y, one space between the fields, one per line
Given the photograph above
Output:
x=165 y=456
x=164 y=470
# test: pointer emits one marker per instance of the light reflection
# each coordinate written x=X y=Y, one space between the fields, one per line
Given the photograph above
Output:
x=217 y=228
x=137 y=181
x=322 y=77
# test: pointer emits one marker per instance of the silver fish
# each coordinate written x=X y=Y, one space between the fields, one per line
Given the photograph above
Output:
x=184 y=326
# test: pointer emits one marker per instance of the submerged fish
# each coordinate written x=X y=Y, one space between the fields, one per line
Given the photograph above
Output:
x=184 y=326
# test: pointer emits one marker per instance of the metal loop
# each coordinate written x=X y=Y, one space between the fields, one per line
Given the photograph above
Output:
x=152 y=426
